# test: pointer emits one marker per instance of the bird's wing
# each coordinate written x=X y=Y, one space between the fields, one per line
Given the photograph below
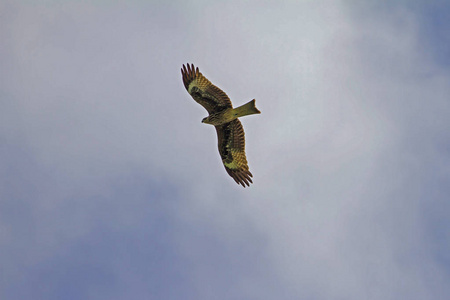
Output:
x=203 y=91
x=231 y=142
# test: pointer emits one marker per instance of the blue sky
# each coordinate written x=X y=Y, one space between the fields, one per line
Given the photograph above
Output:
x=111 y=188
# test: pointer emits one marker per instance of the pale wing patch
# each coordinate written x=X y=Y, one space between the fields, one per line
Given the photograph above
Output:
x=239 y=160
x=201 y=82
x=233 y=165
x=191 y=85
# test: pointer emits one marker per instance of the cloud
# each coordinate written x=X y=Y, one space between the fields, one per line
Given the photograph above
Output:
x=112 y=188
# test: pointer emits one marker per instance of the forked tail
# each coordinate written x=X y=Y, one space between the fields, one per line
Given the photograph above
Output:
x=246 y=109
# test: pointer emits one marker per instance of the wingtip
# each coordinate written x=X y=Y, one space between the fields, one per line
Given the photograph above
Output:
x=190 y=68
x=188 y=73
x=241 y=177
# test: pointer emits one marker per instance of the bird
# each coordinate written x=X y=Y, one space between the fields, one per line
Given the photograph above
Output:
x=222 y=115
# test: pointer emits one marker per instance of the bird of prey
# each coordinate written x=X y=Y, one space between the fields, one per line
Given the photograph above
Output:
x=224 y=117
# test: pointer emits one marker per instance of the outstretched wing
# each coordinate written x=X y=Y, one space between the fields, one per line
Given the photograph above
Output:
x=232 y=151
x=203 y=91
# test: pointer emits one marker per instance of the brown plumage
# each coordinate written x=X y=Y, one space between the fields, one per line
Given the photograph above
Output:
x=224 y=117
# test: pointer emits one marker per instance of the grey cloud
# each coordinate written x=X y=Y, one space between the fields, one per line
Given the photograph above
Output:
x=112 y=188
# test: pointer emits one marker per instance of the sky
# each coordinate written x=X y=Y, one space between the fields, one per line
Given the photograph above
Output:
x=112 y=188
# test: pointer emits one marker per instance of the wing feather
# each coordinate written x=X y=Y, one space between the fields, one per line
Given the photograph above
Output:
x=212 y=98
x=231 y=142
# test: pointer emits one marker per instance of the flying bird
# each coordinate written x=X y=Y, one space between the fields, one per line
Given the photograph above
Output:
x=224 y=117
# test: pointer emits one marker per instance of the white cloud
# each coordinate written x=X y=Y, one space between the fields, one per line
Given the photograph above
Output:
x=100 y=134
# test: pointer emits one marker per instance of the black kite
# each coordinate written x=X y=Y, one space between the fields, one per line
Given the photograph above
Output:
x=224 y=117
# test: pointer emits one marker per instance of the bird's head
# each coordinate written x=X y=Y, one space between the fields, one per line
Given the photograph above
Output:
x=206 y=120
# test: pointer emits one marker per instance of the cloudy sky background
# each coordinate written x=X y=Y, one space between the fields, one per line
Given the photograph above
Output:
x=111 y=188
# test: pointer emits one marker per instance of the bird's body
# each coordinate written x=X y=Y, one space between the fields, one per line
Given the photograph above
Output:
x=230 y=114
x=224 y=117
